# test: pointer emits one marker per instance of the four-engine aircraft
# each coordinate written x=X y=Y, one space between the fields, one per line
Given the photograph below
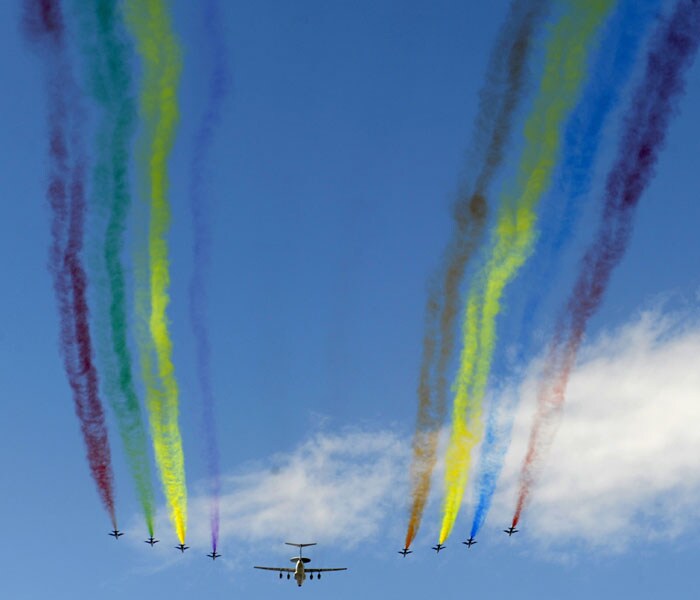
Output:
x=299 y=571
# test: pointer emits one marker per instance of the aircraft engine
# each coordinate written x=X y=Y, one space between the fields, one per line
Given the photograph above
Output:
x=319 y=576
x=312 y=576
x=280 y=575
x=287 y=575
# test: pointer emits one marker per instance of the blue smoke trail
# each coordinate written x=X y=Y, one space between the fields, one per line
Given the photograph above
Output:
x=614 y=65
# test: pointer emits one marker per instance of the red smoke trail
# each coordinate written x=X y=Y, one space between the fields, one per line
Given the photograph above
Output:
x=43 y=25
x=643 y=134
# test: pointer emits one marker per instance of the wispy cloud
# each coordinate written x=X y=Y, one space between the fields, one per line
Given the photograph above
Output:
x=341 y=487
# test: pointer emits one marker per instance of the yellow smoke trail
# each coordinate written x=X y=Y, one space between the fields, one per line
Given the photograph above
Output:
x=150 y=25
x=514 y=235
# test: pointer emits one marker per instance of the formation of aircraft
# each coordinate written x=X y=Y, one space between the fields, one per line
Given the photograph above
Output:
x=300 y=571
x=115 y=533
x=213 y=555
x=151 y=541
x=469 y=543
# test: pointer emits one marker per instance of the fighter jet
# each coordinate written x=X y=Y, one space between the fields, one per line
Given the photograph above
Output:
x=470 y=542
x=151 y=541
x=438 y=548
x=405 y=551
x=213 y=555
x=115 y=533
x=510 y=531
x=300 y=570
x=182 y=548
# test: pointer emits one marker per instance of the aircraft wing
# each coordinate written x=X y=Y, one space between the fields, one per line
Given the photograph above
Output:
x=324 y=570
x=279 y=569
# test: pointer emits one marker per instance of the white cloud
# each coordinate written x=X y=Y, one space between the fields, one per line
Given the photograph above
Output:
x=625 y=463
x=334 y=487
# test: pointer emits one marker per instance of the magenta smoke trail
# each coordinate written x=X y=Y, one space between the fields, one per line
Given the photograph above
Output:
x=218 y=84
x=43 y=25
x=671 y=53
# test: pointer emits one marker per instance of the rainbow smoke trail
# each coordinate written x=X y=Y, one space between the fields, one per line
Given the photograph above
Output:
x=150 y=23
x=500 y=97
x=43 y=25
x=565 y=62
x=218 y=84
x=107 y=54
x=616 y=57
x=671 y=53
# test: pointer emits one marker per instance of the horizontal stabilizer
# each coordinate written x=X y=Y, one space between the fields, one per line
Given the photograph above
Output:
x=300 y=545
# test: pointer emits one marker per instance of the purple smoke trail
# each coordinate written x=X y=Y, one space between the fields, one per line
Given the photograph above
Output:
x=43 y=25
x=672 y=51
x=218 y=86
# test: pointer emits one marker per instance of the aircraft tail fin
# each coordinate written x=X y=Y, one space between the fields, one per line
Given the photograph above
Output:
x=300 y=545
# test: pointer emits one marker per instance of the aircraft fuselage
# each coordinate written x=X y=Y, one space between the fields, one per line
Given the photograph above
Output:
x=299 y=573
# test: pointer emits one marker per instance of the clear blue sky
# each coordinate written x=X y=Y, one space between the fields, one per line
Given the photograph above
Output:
x=341 y=148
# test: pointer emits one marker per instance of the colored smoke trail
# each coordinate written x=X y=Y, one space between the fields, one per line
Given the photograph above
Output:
x=43 y=25
x=218 y=84
x=616 y=57
x=671 y=53
x=107 y=54
x=150 y=24
x=514 y=236
x=499 y=99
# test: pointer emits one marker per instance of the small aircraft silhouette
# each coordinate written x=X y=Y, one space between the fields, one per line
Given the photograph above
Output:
x=115 y=533
x=213 y=555
x=470 y=542
x=405 y=551
x=182 y=547
x=151 y=541
x=510 y=531
x=438 y=548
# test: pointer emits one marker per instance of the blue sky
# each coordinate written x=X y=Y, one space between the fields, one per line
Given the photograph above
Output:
x=341 y=148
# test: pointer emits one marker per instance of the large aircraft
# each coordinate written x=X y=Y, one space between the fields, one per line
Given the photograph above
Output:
x=213 y=555
x=182 y=548
x=470 y=542
x=510 y=531
x=152 y=541
x=115 y=533
x=438 y=548
x=299 y=571
x=405 y=551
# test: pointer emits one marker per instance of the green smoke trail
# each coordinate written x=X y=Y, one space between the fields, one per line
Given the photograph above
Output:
x=107 y=53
